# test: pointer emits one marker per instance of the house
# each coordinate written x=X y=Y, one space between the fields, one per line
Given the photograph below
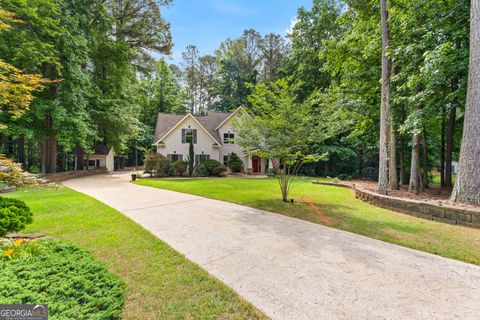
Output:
x=213 y=138
x=102 y=157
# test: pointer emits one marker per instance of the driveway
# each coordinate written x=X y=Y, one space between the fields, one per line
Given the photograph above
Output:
x=293 y=269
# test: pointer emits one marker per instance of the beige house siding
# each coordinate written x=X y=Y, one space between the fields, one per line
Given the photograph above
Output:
x=173 y=141
x=106 y=161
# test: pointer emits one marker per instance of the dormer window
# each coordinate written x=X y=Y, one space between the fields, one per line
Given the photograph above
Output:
x=228 y=138
x=188 y=135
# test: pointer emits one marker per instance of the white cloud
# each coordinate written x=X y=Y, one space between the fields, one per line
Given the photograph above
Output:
x=289 y=30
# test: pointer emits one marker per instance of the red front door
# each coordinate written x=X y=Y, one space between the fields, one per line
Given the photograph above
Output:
x=256 y=164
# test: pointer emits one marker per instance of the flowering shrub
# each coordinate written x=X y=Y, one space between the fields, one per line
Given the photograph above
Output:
x=11 y=173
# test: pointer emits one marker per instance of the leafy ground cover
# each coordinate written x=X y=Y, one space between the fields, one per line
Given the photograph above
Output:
x=160 y=283
x=338 y=208
x=58 y=273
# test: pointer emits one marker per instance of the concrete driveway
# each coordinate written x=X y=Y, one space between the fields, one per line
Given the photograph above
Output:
x=293 y=269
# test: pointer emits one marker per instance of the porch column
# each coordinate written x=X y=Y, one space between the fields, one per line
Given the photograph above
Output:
x=249 y=165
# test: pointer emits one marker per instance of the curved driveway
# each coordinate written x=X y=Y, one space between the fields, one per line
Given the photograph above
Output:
x=293 y=269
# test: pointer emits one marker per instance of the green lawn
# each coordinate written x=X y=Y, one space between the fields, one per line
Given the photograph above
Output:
x=338 y=208
x=161 y=283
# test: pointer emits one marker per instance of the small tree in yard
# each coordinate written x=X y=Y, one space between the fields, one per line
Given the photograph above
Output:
x=281 y=129
x=235 y=164
x=191 y=157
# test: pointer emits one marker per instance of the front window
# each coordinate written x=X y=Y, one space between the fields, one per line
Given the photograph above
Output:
x=228 y=138
x=199 y=158
x=225 y=159
x=174 y=157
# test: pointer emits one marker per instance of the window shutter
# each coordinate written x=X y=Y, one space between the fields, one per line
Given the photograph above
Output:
x=197 y=159
x=180 y=157
x=184 y=131
x=169 y=156
x=194 y=135
x=207 y=157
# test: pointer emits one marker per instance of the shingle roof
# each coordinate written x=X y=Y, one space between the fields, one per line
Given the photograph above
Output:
x=211 y=121
x=166 y=121
x=101 y=149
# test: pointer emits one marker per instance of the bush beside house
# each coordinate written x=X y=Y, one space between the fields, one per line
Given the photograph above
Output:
x=235 y=164
x=211 y=168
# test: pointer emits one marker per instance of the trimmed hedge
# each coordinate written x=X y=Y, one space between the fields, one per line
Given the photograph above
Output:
x=67 y=278
x=14 y=215
x=211 y=168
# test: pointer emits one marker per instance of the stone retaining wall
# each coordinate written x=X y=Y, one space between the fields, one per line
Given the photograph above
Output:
x=63 y=176
x=443 y=213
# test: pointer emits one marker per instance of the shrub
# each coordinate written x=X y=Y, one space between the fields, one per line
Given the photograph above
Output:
x=344 y=176
x=14 y=215
x=180 y=167
x=67 y=278
x=201 y=171
x=213 y=167
x=11 y=174
x=155 y=163
x=235 y=164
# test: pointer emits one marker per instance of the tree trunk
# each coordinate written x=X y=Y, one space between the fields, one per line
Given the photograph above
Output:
x=426 y=168
x=442 y=150
x=79 y=156
x=402 y=160
x=383 y=153
x=49 y=148
x=392 y=159
x=467 y=186
x=21 y=150
x=452 y=114
x=415 y=185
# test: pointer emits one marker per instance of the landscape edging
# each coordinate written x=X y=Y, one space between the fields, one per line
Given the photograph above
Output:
x=442 y=213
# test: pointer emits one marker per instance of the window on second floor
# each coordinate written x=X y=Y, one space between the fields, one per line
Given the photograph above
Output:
x=228 y=138
x=188 y=135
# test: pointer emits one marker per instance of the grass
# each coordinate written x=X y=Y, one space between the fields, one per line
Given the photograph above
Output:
x=161 y=283
x=338 y=208
x=435 y=176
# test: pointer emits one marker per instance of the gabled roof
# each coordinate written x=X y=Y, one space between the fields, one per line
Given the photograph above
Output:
x=166 y=123
x=101 y=149
x=229 y=116
x=211 y=121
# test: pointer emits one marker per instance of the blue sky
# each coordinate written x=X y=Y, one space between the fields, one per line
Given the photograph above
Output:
x=206 y=23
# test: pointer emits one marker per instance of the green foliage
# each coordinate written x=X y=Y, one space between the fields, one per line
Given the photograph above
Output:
x=156 y=164
x=235 y=164
x=180 y=167
x=212 y=168
x=191 y=158
x=14 y=215
x=201 y=171
x=11 y=174
x=67 y=278
x=344 y=176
